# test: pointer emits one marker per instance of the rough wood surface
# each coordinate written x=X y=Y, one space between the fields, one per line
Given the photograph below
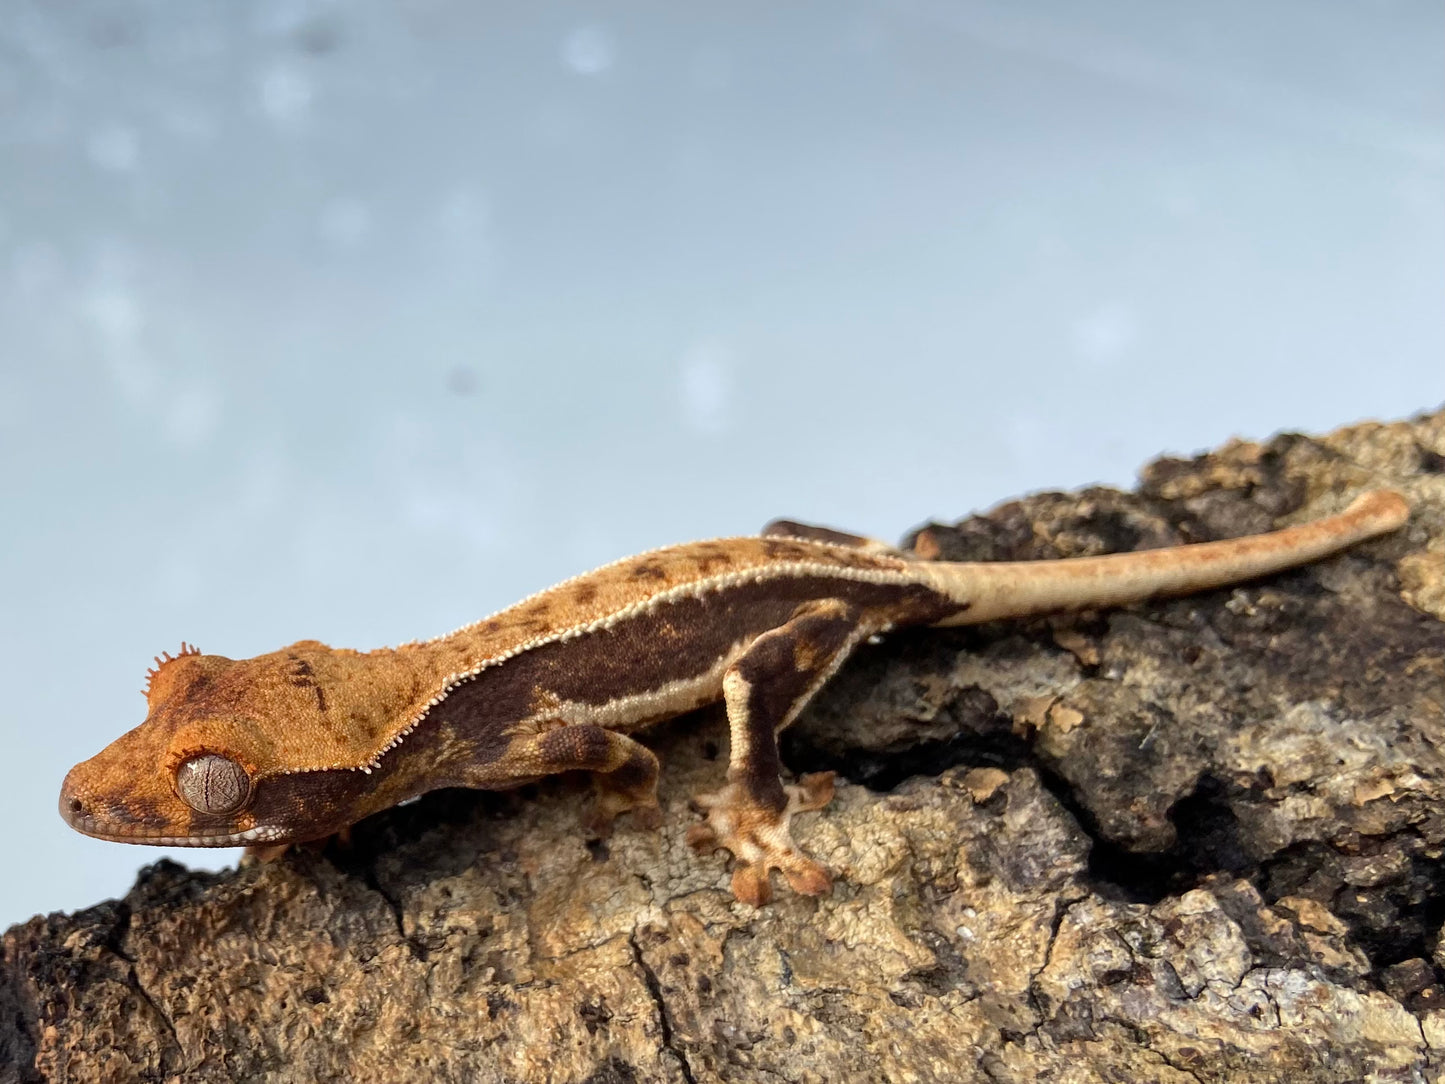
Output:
x=1188 y=842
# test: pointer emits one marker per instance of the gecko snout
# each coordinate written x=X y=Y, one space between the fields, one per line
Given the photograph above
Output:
x=73 y=808
x=85 y=806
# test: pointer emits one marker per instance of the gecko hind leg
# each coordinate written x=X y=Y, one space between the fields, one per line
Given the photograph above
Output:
x=624 y=772
x=789 y=528
x=764 y=690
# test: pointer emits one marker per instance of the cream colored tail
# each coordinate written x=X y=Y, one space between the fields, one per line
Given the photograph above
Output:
x=1022 y=588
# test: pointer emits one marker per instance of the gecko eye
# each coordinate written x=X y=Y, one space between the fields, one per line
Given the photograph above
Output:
x=211 y=783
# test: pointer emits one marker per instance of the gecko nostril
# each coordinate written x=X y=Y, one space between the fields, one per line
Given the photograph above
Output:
x=77 y=807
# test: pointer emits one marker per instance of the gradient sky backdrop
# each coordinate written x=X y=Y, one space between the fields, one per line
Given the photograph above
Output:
x=356 y=321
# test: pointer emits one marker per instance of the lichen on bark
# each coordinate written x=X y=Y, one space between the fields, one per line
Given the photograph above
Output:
x=1192 y=841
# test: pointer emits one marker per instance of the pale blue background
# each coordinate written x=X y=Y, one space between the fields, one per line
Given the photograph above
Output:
x=357 y=321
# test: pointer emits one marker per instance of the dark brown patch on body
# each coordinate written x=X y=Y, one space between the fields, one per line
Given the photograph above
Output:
x=634 y=580
x=711 y=557
x=317 y=804
x=682 y=639
x=787 y=549
x=436 y=755
x=675 y=641
x=303 y=677
x=709 y=564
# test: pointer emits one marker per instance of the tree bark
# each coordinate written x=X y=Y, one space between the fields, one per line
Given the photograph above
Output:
x=1191 y=841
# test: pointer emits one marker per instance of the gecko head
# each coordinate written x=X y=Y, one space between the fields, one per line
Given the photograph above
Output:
x=224 y=756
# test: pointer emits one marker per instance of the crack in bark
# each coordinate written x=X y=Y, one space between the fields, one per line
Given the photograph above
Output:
x=165 y=1018
x=1142 y=1037
x=114 y=943
x=393 y=905
x=1061 y=910
x=654 y=988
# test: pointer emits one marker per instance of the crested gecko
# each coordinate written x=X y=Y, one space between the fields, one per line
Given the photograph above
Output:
x=301 y=743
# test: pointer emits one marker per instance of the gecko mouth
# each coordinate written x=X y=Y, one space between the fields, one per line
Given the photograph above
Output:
x=247 y=838
x=75 y=814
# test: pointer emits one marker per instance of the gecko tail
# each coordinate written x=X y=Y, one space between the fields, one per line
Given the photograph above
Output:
x=991 y=590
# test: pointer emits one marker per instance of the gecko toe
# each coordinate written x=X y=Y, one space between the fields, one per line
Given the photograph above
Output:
x=813 y=791
x=808 y=878
x=750 y=884
x=702 y=838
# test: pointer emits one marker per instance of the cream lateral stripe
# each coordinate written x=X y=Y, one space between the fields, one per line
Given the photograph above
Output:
x=904 y=575
x=839 y=658
x=672 y=698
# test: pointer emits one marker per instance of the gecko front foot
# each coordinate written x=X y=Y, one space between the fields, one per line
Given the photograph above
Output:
x=761 y=839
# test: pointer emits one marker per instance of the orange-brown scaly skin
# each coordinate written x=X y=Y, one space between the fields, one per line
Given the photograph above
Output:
x=322 y=737
x=265 y=713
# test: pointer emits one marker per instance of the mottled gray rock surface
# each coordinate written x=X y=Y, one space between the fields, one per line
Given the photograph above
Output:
x=1193 y=841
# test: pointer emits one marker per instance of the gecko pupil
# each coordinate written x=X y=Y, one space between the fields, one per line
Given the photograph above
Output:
x=211 y=783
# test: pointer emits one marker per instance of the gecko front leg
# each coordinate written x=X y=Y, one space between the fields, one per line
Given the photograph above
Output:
x=764 y=690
